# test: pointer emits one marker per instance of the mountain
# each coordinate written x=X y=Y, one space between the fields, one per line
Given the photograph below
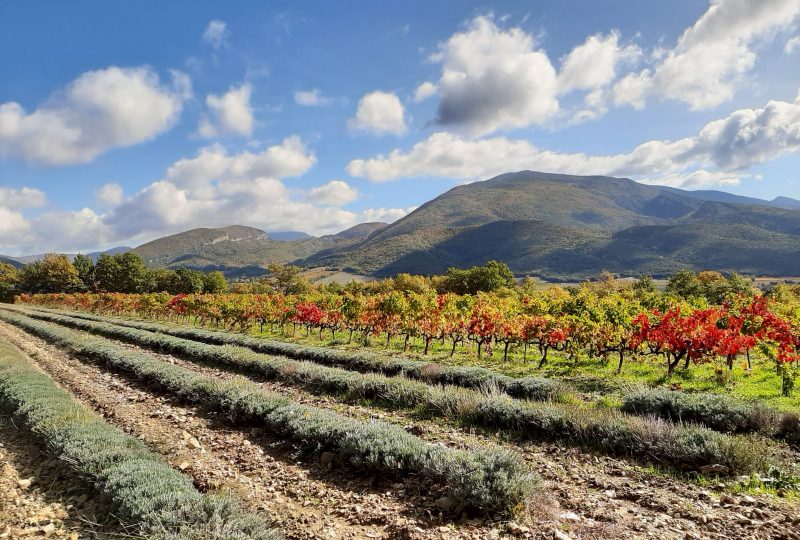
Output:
x=238 y=250
x=786 y=202
x=13 y=262
x=562 y=226
x=94 y=255
x=288 y=236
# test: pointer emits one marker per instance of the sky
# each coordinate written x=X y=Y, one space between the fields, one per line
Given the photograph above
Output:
x=121 y=122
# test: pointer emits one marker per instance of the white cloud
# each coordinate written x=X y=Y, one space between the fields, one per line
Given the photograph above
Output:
x=494 y=79
x=312 y=98
x=385 y=215
x=12 y=226
x=216 y=34
x=424 y=91
x=695 y=179
x=99 y=111
x=230 y=113
x=110 y=194
x=290 y=158
x=24 y=197
x=593 y=64
x=633 y=89
x=711 y=58
x=744 y=138
x=216 y=188
x=379 y=113
x=334 y=193
x=792 y=45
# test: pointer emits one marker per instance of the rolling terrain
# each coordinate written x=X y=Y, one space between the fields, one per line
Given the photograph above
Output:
x=560 y=226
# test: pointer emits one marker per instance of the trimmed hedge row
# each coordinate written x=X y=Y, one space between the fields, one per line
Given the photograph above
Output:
x=719 y=412
x=608 y=431
x=491 y=479
x=537 y=388
x=146 y=491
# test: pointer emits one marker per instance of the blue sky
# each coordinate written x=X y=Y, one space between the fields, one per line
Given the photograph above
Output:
x=122 y=122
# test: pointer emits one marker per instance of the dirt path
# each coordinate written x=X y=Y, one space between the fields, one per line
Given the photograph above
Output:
x=39 y=498
x=593 y=496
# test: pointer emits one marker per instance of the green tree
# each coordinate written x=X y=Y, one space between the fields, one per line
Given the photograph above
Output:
x=189 y=281
x=107 y=273
x=490 y=277
x=9 y=279
x=684 y=284
x=54 y=273
x=164 y=280
x=215 y=282
x=134 y=275
x=286 y=278
x=85 y=267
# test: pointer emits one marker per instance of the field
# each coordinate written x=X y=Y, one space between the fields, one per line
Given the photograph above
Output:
x=270 y=434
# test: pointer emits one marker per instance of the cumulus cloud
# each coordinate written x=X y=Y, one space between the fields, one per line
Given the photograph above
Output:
x=385 y=215
x=744 y=138
x=12 y=226
x=216 y=188
x=712 y=56
x=594 y=64
x=110 y=194
x=288 y=159
x=792 y=45
x=99 y=111
x=23 y=197
x=494 y=79
x=424 y=91
x=312 y=98
x=334 y=193
x=380 y=113
x=216 y=34
x=230 y=113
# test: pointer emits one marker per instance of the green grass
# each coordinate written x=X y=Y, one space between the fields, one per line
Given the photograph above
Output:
x=589 y=374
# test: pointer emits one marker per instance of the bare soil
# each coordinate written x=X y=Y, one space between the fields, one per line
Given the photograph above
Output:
x=588 y=496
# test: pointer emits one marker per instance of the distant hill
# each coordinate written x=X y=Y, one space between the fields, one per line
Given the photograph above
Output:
x=26 y=259
x=13 y=262
x=238 y=250
x=567 y=227
x=288 y=236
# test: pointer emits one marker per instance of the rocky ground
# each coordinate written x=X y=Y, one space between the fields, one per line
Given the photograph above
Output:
x=586 y=496
x=38 y=497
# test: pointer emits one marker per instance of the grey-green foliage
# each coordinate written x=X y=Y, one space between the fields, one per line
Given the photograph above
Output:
x=146 y=491
x=492 y=479
x=607 y=431
x=719 y=412
x=537 y=388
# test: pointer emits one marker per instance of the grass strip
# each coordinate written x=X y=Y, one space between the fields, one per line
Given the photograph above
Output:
x=158 y=501
x=491 y=479
x=682 y=446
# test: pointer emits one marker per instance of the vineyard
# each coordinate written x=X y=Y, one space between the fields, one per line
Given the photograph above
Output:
x=388 y=415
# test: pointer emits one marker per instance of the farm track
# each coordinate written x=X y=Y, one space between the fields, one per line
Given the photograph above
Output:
x=598 y=497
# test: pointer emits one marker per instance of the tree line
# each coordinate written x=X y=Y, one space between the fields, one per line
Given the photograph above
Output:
x=122 y=272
